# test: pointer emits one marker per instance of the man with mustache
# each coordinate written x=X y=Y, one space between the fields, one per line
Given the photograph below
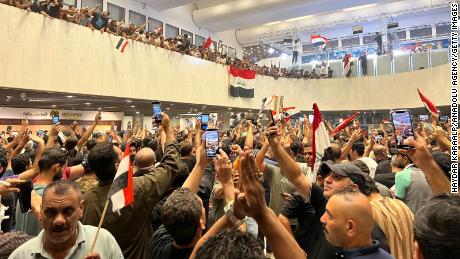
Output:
x=63 y=236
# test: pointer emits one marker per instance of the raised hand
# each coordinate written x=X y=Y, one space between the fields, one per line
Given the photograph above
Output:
x=223 y=167
x=250 y=200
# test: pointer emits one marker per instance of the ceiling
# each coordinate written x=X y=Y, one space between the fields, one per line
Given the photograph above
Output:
x=19 y=98
x=253 y=19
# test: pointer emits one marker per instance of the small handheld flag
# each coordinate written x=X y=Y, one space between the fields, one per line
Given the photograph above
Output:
x=122 y=43
x=429 y=105
x=208 y=43
x=121 y=192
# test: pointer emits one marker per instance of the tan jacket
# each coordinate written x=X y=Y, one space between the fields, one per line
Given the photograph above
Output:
x=132 y=229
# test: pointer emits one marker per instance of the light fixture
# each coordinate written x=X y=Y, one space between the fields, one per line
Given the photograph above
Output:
x=271 y=50
x=132 y=106
x=128 y=101
x=230 y=108
x=137 y=112
x=167 y=108
x=54 y=105
x=88 y=103
x=69 y=96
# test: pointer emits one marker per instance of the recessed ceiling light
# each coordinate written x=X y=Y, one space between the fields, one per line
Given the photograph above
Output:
x=99 y=108
x=88 y=103
x=54 y=105
x=137 y=112
x=69 y=96
x=167 y=108
x=189 y=112
x=132 y=106
x=230 y=108
x=128 y=101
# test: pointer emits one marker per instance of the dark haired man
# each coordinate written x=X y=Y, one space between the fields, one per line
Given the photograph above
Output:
x=436 y=228
x=132 y=228
x=411 y=185
x=231 y=243
x=63 y=236
x=184 y=219
x=357 y=153
x=51 y=165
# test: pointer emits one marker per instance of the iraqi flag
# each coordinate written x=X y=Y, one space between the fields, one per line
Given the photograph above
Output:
x=429 y=105
x=344 y=124
x=207 y=43
x=242 y=82
x=122 y=43
x=318 y=41
x=320 y=140
x=121 y=192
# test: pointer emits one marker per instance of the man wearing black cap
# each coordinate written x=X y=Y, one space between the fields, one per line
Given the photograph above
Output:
x=336 y=177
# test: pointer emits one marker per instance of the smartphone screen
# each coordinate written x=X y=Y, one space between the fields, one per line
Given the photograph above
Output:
x=423 y=117
x=25 y=190
x=443 y=119
x=402 y=126
x=55 y=119
x=204 y=121
x=212 y=142
x=156 y=107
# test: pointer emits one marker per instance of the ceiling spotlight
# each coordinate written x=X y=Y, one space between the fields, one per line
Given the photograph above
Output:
x=69 y=96
x=230 y=108
x=128 y=101
x=88 y=103
x=99 y=108
x=167 y=108
x=54 y=105
x=137 y=112
x=189 y=112
x=271 y=50
x=132 y=106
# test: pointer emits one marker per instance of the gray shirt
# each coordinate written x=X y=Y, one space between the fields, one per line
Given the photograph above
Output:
x=106 y=245
x=412 y=187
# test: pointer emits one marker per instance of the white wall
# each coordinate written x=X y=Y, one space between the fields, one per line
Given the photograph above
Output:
x=180 y=17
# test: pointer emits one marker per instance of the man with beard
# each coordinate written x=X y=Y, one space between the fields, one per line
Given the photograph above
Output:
x=51 y=166
x=63 y=236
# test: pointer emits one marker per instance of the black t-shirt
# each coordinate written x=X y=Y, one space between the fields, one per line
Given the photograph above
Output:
x=383 y=167
x=98 y=21
x=161 y=246
x=53 y=10
x=297 y=208
x=387 y=179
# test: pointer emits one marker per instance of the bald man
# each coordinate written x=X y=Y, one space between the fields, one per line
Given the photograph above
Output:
x=348 y=224
x=144 y=161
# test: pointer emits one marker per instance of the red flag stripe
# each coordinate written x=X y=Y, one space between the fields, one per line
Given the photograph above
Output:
x=344 y=124
x=246 y=74
x=428 y=104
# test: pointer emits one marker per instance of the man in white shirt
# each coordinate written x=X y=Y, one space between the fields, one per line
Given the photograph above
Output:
x=357 y=152
x=63 y=236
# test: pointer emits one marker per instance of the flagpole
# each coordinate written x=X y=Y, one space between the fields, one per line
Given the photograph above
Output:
x=99 y=226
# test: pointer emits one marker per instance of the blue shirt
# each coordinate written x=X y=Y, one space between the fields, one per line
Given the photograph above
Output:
x=370 y=252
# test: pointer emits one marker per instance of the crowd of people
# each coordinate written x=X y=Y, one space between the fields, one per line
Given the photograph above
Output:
x=365 y=198
x=96 y=19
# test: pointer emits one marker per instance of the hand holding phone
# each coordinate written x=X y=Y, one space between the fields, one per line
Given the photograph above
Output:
x=55 y=119
x=157 y=117
x=402 y=127
x=211 y=137
x=204 y=118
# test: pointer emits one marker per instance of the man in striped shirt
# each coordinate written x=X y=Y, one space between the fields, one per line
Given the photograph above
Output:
x=394 y=218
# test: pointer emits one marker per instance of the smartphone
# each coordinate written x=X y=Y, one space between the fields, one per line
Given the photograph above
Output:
x=402 y=127
x=156 y=107
x=110 y=138
x=25 y=193
x=423 y=117
x=377 y=138
x=204 y=118
x=55 y=119
x=40 y=133
x=443 y=118
x=211 y=137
